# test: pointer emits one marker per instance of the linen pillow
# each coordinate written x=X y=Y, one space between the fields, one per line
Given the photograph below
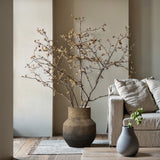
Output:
x=154 y=87
x=136 y=95
x=112 y=90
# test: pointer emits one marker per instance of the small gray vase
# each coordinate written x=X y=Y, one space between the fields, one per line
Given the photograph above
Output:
x=127 y=143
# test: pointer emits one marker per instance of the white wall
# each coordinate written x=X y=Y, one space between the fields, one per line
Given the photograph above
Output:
x=145 y=24
x=32 y=101
x=97 y=12
x=6 y=79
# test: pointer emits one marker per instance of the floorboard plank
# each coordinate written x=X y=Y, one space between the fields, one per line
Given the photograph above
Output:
x=111 y=154
x=23 y=152
x=18 y=143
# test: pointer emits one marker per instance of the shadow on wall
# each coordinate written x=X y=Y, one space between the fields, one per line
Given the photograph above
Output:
x=15 y=133
x=140 y=22
x=65 y=23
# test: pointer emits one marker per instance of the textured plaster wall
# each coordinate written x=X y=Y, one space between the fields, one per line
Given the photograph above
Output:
x=144 y=25
x=32 y=102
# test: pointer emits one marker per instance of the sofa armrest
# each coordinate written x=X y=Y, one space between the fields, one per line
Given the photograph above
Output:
x=115 y=118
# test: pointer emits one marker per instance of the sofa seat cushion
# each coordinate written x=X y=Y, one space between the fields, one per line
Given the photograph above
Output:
x=151 y=121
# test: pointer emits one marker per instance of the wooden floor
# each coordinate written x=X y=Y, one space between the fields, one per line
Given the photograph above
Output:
x=107 y=153
x=22 y=147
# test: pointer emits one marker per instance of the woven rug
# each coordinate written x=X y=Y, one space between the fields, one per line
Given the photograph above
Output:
x=61 y=147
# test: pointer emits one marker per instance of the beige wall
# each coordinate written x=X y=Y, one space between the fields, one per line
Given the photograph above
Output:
x=32 y=102
x=6 y=80
x=144 y=25
x=97 y=12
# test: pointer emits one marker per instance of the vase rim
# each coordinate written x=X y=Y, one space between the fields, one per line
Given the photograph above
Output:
x=128 y=127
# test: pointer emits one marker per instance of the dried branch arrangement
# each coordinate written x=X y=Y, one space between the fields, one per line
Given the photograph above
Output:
x=72 y=66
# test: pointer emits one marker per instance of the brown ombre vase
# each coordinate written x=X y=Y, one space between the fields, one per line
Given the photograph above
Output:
x=79 y=130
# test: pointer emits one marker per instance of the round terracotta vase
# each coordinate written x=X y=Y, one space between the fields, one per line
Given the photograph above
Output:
x=79 y=130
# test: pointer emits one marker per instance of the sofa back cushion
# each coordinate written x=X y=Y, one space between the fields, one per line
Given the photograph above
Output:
x=154 y=87
x=136 y=95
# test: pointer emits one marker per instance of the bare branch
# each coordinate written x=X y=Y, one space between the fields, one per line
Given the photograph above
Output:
x=83 y=54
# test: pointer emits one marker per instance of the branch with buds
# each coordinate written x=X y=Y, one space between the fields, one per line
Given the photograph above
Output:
x=71 y=67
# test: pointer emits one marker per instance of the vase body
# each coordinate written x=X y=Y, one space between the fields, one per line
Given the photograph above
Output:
x=127 y=143
x=79 y=130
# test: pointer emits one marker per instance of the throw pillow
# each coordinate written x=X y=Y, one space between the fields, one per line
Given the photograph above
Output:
x=112 y=90
x=154 y=87
x=135 y=94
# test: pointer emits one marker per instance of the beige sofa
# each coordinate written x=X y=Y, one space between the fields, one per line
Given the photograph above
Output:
x=148 y=132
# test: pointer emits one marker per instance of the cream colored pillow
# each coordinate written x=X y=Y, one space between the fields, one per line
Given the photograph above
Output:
x=154 y=87
x=136 y=95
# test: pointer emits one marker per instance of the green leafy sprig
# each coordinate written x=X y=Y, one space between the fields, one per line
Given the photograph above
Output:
x=137 y=116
